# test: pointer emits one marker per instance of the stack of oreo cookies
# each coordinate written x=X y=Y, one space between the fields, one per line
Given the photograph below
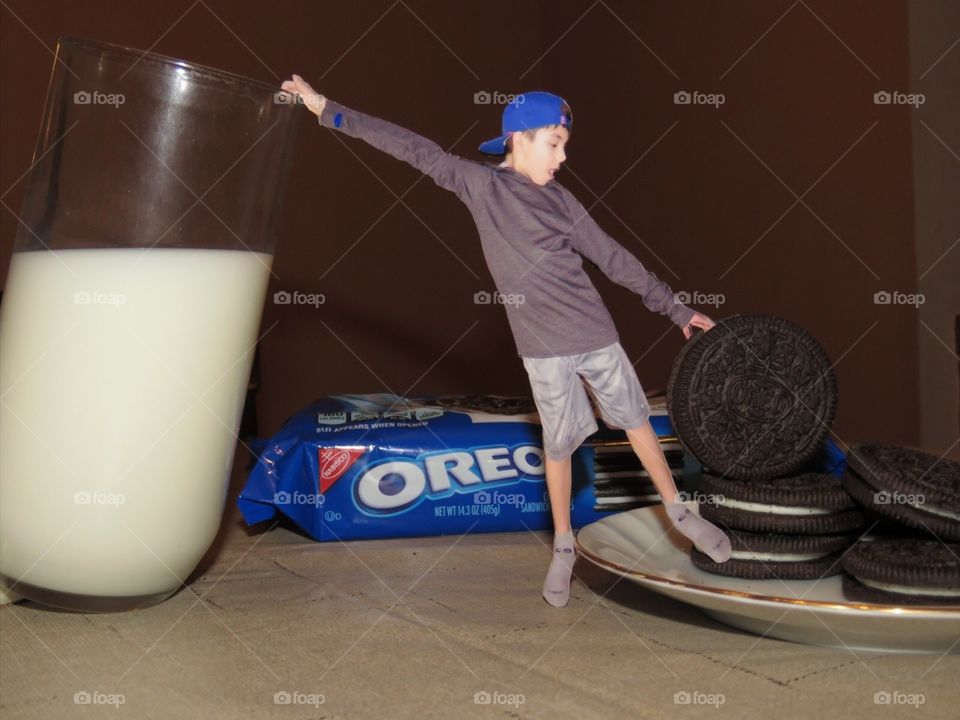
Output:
x=621 y=483
x=752 y=399
x=912 y=499
x=792 y=527
x=896 y=571
x=905 y=488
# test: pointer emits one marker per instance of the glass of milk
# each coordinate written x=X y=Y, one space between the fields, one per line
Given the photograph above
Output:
x=129 y=321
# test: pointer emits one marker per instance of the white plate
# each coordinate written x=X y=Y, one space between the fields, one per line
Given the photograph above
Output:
x=642 y=545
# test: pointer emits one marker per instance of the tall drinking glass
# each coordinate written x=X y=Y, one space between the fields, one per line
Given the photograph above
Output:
x=129 y=321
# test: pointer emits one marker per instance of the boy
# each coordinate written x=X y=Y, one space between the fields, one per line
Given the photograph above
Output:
x=533 y=232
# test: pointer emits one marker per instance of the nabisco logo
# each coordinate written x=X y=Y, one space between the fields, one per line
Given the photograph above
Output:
x=334 y=462
x=335 y=465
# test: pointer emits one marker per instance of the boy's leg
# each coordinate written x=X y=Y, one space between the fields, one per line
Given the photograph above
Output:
x=705 y=535
x=567 y=418
x=556 y=586
x=647 y=447
x=616 y=388
x=559 y=482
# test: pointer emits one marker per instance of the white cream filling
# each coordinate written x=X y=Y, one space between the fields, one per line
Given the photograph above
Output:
x=607 y=474
x=773 y=509
x=942 y=512
x=625 y=499
x=776 y=557
x=888 y=587
x=632 y=474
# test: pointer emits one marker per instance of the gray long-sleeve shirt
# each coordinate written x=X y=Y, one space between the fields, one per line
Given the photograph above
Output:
x=532 y=237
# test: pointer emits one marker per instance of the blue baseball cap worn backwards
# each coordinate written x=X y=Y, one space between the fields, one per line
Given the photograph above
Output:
x=529 y=111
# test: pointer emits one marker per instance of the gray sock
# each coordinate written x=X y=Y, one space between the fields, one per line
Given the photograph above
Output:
x=708 y=538
x=556 y=588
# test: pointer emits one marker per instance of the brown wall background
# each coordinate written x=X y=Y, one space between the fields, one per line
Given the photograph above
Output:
x=936 y=167
x=705 y=197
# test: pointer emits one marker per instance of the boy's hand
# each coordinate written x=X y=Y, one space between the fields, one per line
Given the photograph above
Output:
x=700 y=321
x=298 y=87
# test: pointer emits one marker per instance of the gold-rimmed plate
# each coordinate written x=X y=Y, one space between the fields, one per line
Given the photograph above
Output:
x=642 y=546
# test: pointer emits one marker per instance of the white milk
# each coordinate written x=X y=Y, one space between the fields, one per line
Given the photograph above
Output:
x=122 y=375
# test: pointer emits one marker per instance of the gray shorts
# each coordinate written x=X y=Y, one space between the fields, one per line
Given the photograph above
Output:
x=560 y=385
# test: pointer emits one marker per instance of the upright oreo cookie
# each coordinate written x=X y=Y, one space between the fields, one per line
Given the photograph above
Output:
x=753 y=397
x=762 y=556
x=910 y=486
x=903 y=572
x=808 y=504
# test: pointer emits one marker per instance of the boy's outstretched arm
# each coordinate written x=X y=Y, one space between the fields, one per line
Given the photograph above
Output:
x=463 y=177
x=618 y=264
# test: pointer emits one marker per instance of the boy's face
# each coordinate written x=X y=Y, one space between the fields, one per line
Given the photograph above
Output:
x=540 y=158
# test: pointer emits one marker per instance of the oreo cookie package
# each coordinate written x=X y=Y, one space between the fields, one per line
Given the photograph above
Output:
x=383 y=466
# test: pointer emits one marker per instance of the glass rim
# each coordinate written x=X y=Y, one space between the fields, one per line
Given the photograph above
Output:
x=126 y=52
